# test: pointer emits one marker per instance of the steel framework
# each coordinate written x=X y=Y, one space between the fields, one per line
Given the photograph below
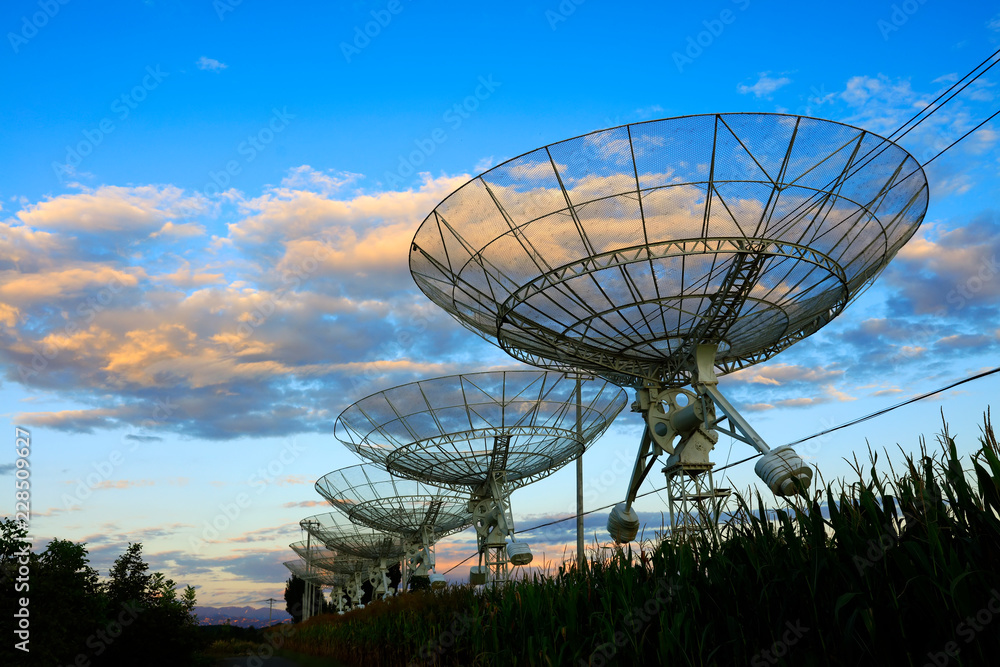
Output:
x=416 y=512
x=380 y=549
x=484 y=434
x=667 y=253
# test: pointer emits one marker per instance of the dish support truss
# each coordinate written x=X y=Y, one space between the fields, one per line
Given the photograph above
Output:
x=419 y=560
x=683 y=424
x=493 y=521
x=350 y=576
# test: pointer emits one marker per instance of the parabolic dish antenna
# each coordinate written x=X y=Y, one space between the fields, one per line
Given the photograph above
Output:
x=484 y=433
x=312 y=552
x=416 y=512
x=341 y=583
x=349 y=539
x=665 y=253
x=348 y=574
x=320 y=577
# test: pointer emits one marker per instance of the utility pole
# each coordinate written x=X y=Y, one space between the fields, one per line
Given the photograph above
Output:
x=270 y=607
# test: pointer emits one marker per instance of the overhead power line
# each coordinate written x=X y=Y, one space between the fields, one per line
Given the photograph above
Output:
x=873 y=415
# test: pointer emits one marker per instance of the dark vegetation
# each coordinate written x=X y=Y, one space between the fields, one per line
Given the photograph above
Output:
x=77 y=619
x=898 y=569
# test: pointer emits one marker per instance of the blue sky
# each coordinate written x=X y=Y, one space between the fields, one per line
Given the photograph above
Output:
x=206 y=210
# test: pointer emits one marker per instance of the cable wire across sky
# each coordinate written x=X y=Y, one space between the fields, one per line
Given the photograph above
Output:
x=873 y=415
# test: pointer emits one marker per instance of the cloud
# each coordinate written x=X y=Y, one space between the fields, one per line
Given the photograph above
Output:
x=306 y=503
x=185 y=278
x=949 y=271
x=182 y=230
x=127 y=212
x=76 y=421
x=123 y=483
x=309 y=297
x=7 y=468
x=210 y=64
x=765 y=85
x=777 y=374
x=328 y=183
x=882 y=104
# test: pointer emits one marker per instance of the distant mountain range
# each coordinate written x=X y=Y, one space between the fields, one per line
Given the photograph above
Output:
x=241 y=616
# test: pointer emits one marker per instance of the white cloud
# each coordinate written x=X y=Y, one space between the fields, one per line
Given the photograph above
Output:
x=765 y=85
x=122 y=211
x=314 y=299
x=210 y=64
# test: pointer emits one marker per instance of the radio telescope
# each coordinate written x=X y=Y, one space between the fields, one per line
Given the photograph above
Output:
x=662 y=255
x=417 y=513
x=310 y=552
x=311 y=576
x=358 y=541
x=320 y=564
x=485 y=434
x=302 y=570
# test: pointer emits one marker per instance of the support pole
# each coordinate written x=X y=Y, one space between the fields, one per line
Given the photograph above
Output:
x=307 y=602
x=580 y=556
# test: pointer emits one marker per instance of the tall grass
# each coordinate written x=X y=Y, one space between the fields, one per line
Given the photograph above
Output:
x=897 y=568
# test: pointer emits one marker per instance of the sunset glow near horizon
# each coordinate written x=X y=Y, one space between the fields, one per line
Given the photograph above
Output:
x=207 y=209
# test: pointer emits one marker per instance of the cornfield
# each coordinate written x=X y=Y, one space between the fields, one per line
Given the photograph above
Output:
x=898 y=568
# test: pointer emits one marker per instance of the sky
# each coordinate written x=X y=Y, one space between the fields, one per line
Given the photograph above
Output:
x=206 y=210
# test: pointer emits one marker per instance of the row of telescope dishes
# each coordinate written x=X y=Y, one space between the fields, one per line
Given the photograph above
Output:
x=321 y=567
x=448 y=452
x=382 y=520
x=445 y=454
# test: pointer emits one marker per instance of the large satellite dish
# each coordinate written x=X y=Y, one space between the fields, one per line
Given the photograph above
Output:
x=360 y=542
x=418 y=513
x=663 y=254
x=484 y=434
